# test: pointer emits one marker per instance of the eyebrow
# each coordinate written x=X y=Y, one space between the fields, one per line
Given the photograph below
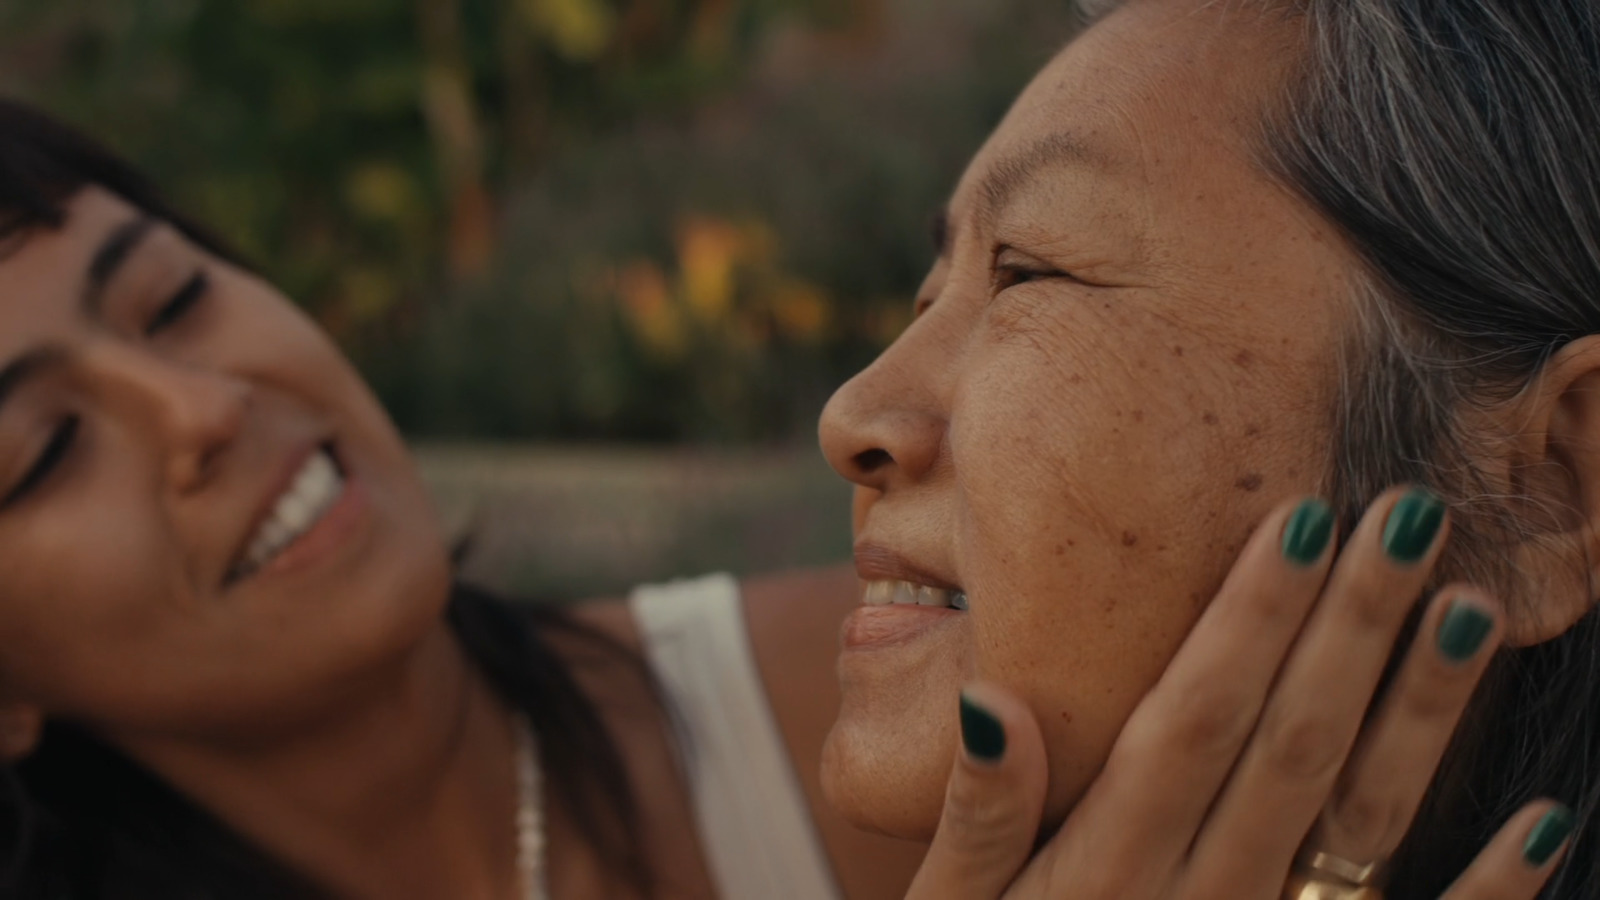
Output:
x=109 y=257
x=114 y=250
x=1012 y=173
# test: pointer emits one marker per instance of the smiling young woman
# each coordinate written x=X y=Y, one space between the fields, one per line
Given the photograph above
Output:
x=232 y=659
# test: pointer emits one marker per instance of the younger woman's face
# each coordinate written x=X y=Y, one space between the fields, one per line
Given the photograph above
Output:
x=1123 y=358
x=207 y=524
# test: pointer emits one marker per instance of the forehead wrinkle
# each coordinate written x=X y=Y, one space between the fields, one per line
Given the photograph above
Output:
x=1013 y=172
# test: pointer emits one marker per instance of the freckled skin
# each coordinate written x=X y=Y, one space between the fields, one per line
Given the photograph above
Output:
x=998 y=426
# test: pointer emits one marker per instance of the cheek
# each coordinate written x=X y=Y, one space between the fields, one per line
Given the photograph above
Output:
x=92 y=597
x=1101 y=502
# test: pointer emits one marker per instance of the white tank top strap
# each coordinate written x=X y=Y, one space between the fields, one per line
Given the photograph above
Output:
x=754 y=823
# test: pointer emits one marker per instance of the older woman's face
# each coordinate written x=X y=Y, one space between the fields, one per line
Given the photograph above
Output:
x=1123 y=357
x=207 y=524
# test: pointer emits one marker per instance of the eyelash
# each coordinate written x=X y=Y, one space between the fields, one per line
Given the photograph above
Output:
x=1010 y=276
x=192 y=292
x=55 y=450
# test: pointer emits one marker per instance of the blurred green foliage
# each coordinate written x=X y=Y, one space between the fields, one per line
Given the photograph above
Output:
x=597 y=219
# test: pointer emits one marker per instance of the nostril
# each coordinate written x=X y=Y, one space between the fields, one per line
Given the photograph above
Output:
x=869 y=461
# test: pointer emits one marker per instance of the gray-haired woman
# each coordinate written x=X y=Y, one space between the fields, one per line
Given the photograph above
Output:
x=1218 y=255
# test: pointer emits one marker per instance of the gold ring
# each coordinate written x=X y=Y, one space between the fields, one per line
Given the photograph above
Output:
x=1323 y=876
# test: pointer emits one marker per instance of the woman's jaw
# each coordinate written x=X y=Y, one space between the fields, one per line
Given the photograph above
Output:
x=1122 y=360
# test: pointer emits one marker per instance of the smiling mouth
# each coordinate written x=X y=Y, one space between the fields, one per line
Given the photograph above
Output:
x=905 y=593
x=313 y=490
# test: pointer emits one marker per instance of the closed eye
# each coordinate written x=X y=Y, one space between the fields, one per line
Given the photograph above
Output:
x=1006 y=277
x=1012 y=268
x=55 y=450
x=192 y=292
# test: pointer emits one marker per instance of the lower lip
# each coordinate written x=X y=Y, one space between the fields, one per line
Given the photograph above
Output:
x=875 y=627
x=336 y=526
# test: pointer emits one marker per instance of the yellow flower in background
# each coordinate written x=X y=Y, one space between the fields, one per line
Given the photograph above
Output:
x=382 y=191
x=708 y=252
x=579 y=30
x=801 y=311
x=650 y=311
x=728 y=291
x=366 y=294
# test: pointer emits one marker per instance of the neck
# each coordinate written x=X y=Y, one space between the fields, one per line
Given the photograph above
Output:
x=407 y=791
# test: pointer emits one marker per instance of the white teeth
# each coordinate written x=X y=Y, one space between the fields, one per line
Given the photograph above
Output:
x=314 y=489
x=878 y=593
x=904 y=593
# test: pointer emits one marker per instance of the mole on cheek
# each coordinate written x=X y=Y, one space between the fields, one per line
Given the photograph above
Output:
x=1249 y=483
x=1209 y=418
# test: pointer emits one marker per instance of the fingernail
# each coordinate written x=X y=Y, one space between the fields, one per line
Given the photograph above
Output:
x=981 y=732
x=1413 y=524
x=1548 y=836
x=1462 y=633
x=1306 y=536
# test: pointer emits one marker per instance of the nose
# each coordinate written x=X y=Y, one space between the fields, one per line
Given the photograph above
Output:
x=197 y=413
x=886 y=427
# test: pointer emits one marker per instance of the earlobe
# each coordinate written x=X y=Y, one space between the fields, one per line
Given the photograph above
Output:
x=1557 y=476
x=21 y=727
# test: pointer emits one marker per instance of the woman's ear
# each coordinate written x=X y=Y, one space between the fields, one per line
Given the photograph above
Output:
x=21 y=727
x=1556 y=468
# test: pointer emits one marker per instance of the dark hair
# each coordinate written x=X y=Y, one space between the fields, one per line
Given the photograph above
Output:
x=1452 y=142
x=80 y=819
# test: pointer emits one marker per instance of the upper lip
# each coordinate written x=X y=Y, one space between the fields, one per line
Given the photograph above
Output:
x=875 y=562
x=287 y=470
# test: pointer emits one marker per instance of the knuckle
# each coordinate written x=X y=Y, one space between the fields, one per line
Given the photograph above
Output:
x=1303 y=748
x=1202 y=721
x=1371 y=605
x=1361 y=823
x=1106 y=881
x=982 y=818
x=1214 y=726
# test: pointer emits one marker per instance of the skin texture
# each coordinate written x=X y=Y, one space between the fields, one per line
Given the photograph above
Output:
x=1122 y=361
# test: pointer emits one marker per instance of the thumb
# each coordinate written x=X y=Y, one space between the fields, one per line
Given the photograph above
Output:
x=992 y=804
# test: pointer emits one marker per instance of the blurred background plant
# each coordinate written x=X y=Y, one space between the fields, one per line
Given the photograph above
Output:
x=656 y=221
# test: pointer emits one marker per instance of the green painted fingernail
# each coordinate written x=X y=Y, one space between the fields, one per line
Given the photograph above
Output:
x=1463 y=631
x=981 y=732
x=1306 y=536
x=1413 y=524
x=1548 y=836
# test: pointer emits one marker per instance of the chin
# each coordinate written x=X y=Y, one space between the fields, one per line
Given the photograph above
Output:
x=887 y=782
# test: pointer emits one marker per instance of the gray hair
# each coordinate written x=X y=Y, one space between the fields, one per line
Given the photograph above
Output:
x=1456 y=145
